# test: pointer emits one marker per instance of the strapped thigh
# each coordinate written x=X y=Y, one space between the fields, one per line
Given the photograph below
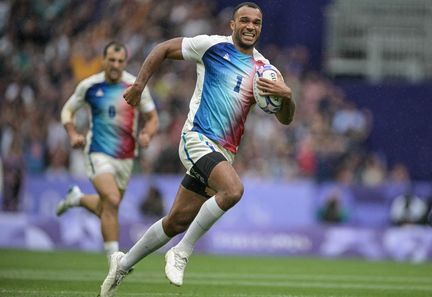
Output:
x=203 y=167
x=197 y=181
x=194 y=185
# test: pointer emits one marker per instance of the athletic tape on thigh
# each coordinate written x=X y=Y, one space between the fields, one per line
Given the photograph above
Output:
x=194 y=185
x=203 y=167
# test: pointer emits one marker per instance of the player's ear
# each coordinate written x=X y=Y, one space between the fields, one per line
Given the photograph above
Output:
x=231 y=23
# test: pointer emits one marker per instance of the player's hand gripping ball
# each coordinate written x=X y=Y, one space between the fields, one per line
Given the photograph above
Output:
x=270 y=104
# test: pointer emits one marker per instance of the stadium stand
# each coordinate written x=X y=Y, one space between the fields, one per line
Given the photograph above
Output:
x=379 y=40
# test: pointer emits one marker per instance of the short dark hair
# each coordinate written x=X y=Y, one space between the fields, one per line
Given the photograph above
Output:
x=117 y=47
x=248 y=4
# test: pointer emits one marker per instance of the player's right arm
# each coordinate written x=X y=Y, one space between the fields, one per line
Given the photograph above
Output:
x=75 y=102
x=170 y=49
x=148 y=109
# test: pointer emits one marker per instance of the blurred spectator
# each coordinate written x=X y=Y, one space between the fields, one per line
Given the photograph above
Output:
x=35 y=150
x=429 y=217
x=408 y=209
x=374 y=171
x=333 y=211
x=198 y=20
x=399 y=174
x=351 y=122
x=84 y=61
x=152 y=206
x=306 y=157
x=13 y=175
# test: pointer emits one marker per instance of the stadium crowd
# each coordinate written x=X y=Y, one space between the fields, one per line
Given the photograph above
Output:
x=47 y=46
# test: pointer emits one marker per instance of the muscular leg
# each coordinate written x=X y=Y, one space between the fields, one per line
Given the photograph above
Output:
x=92 y=203
x=110 y=197
x=229 y=190
x=184 y=209
x=227 y=184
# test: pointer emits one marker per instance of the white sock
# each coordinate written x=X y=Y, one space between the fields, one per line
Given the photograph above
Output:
x=152 y=240
x=111 y=247
x=209 y=213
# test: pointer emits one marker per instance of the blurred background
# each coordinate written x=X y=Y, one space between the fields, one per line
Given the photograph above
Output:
x=351 y=176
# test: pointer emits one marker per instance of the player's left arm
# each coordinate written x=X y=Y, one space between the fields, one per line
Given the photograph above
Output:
x=278 y=88
x=286 y=114
x=150 y=128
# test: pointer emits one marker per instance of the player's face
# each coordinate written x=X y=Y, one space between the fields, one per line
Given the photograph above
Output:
x=246 y=26
x=114 y=64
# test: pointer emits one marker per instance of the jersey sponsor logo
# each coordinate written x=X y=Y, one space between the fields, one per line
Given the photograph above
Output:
x=227 y=57
x=99 y=93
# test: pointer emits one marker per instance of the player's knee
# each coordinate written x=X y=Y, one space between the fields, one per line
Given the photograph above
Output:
x=231 y=195
x=98 y=210
x=110 y=203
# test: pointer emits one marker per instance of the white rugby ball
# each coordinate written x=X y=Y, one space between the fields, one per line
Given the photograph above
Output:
x=270 y=104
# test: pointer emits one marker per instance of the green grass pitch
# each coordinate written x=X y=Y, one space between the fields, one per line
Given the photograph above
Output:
x=76 y=274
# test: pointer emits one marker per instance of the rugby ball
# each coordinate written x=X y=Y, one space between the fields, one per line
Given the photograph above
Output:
x=270 y=104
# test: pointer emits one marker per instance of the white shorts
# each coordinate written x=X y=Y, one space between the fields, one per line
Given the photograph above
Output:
x=193 y=145
x=98 y=163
